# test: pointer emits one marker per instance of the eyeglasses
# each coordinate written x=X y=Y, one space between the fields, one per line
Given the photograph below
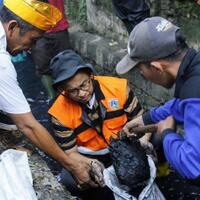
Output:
x=84 y=86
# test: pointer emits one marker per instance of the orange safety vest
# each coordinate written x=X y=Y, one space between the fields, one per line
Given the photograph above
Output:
x=69 y=112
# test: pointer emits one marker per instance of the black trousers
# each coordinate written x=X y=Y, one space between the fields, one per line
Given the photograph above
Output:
x=131 y=12
x=47 y=47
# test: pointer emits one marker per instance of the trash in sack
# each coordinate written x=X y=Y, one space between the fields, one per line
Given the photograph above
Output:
x=150 y=191
x=131 y=165
x=16 y=179
x=133 y=172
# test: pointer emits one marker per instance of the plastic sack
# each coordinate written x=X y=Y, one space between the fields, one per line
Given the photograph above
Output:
x=16 y=179
x=150 y=192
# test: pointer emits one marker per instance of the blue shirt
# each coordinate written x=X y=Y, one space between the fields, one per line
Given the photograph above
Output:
x=1 y=3
x=183 y=151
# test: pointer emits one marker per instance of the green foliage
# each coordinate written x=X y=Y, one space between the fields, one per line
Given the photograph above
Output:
x=105 y=4
x=187 y=9
x=77 y=10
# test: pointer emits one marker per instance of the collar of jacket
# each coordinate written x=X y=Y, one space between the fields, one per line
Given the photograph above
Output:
x=98 y=93
x=97 y=90
x=99 y=96
x=185 y=64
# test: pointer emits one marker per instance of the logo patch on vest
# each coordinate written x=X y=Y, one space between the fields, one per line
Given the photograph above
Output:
x=114 y=104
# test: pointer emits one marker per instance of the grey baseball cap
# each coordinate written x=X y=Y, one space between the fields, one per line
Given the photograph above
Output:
x=151 y=39
x=65 y=65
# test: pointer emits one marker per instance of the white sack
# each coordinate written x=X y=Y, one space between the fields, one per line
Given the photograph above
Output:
x=15 y=176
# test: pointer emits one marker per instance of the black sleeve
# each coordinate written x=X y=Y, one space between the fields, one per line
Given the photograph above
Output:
x=132 y=106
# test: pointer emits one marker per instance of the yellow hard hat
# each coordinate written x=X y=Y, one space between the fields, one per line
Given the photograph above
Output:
x=41 y=15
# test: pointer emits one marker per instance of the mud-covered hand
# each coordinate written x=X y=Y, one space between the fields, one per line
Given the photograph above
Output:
x=145 y=142
x=138 y=121
x=96 y=172
x=80 y=169
x=148 y=146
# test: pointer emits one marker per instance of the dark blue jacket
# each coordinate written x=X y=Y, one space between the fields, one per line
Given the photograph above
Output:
x=1 y=3
x=183 y=151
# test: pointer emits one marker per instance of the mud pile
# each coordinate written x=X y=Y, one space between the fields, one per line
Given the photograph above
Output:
x=130 y=164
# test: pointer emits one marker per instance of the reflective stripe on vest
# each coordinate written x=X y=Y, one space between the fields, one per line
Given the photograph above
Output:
x=87 y=151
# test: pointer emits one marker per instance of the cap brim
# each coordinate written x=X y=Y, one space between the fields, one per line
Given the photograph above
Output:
x=71 y=72
x=125 y=65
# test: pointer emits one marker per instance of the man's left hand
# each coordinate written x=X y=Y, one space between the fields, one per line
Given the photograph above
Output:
x=96 y=172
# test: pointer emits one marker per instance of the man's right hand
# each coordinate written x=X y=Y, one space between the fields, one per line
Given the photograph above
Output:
x=81 y=170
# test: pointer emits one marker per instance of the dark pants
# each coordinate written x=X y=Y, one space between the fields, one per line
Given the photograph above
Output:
x=4 y=118
x=131 y=12
x=47 y=47
x=91 y=193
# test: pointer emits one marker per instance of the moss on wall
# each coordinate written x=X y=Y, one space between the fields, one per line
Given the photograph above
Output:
x=76 y=11
x=106 y=4
x=183 y=12
x=176 y=9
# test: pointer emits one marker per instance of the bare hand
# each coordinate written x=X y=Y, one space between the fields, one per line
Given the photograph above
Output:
x=138 y=121
x=165 y=124
x=97 y=172
x=144 y=141
x=81 y=171
x=148 y=146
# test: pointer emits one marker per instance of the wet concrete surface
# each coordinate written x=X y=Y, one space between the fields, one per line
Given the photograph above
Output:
x=172 y=186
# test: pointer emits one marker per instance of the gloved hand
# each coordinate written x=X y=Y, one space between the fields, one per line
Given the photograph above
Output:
x=96 y=172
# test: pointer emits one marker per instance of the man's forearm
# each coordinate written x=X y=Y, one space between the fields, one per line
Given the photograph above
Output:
x=43 y=140
x=158 y=113
x=40 y=137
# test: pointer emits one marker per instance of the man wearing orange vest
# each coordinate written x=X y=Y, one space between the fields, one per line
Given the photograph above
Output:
x=89 y=110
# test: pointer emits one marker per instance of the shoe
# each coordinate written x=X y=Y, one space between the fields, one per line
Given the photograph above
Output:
x=6 y=123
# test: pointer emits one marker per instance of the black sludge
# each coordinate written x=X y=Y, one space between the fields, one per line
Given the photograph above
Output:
x=131 y=164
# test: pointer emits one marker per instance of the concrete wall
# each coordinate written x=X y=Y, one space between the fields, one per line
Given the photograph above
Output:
x=103 y=40
x=102 y=19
